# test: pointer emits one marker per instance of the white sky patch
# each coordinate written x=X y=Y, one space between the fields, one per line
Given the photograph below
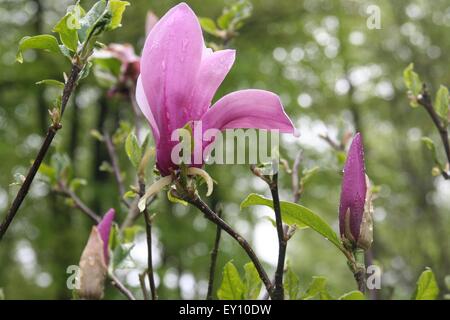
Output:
x=357 y=38
x=265 y=237
x=304 y=100
x=26 y=257
x=442 y=194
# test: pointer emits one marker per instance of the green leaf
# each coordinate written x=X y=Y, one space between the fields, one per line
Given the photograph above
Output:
x=426 y=287
x=441 y=103
x=293 y=213
x=133 y=149
x=130 y=233
x=232 y=287
x=120 y=249
x=253 y=282
x=48 y=172
x=291 y=284
x=208 y=25
x=76 y=183
x=116 y=9
x=412 y=80
x=317 y=286
x=67 y=28
x=51 y=82
x=130 y=194
x=44 y=42
x=88 y=21
x=353 y=295
x=234 y=15
x=174 y=199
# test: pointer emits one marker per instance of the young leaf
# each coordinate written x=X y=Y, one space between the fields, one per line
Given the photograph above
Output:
x=44 y=42
x=89 y=20
x=412 y=80
x=51 y=82
x=130 y=233
x=441 y=103
x=291 y=284
x=426 y=287
x=317 y=286
x=293 y=213
x=252 y=282
x=208 y=25
x=133 y=149
x=67 y=29
x=232 y=287
x=353 y=295
x=116 y=9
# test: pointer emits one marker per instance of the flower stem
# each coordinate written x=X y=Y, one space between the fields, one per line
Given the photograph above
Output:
x=69 y=87
x=359 y=271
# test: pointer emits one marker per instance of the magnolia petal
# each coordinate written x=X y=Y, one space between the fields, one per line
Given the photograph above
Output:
x=202 y=173
x=154 y=188
x=251 y=108
x=169 y=65
x=213 y=70
x=104 y=229
x=142 y=102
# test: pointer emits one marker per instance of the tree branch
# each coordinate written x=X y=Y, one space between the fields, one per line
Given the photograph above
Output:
x=121 y=287
x=25 y=187
x=148 y=229
x=65 y=191
x=115 y=166
x=214 y=252
x=425 y=100
x=213 y=217
x=278 y=293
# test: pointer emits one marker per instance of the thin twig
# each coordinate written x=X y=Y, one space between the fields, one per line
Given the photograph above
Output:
x=333 y=144
x=213 y=217
x=148 y=229
x=65 y=191
x=143 y=286
x=25 y=187
x=214 y=252
x=278 y=293
x=425 y=100
x=295 y=178
x=121 y=287
x=115 y=166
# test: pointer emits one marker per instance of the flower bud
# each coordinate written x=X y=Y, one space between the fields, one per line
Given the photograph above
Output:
x=94 y=260
x=355 y=209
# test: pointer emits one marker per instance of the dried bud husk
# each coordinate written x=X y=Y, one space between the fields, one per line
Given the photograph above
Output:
x=93 y=268
x=365 y=238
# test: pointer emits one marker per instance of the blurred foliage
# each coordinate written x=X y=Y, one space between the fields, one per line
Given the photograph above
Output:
x=334 y=76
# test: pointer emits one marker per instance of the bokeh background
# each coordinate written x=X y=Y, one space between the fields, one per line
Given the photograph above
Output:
x=334 y=76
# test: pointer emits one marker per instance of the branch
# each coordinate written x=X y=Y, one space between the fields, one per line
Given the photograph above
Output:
x=121 y=287
x=25 y=187
x=296 y=190
x=214 y=252
x=78 y=202
x=213 y=217
x=115 y=166
x=148 y=229
x=425 y=100
x=278 y=293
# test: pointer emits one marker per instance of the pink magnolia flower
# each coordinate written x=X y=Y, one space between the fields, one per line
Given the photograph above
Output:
x=355 y=209
x=178 y=80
